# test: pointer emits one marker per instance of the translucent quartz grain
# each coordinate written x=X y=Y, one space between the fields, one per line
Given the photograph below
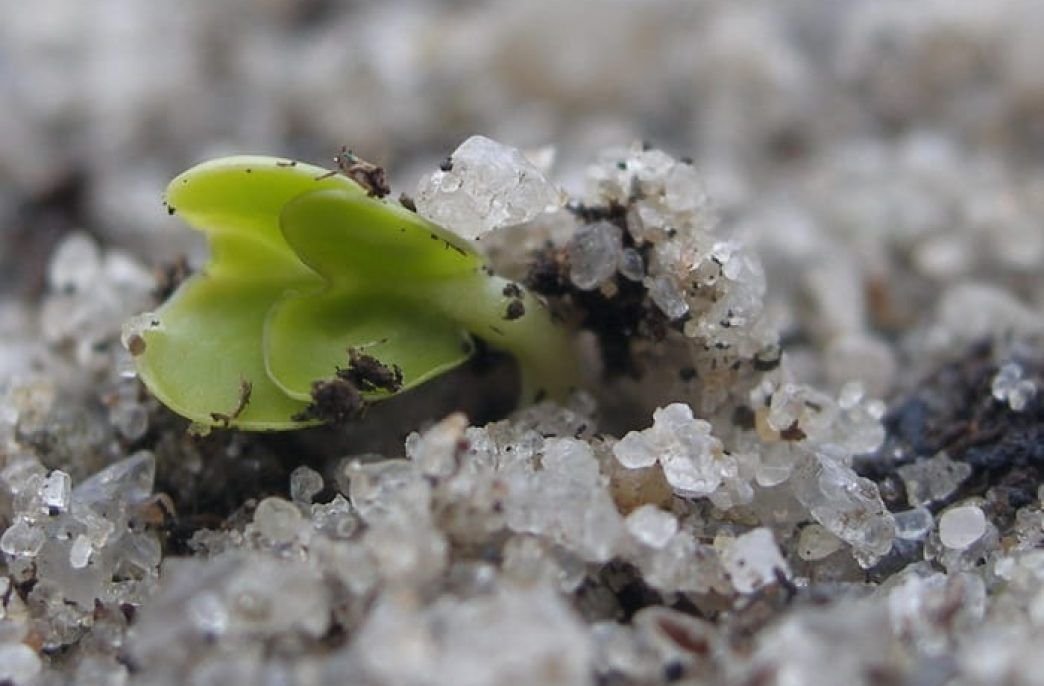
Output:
x=665 y=292
x=683 y=188
x=55 y=491
x=933 y=479
x=594 y=254
x=22 y=540
x=959 y=527
x=1005 y=379
x=752 y=560
x=127 y=481
x=630 y=265
x=305 y=484
x=566 y=500
x=80 y=552
x=816 y=542
x=913 y=525
x=634 y=451
x=1009 y=387
x=486 y=186
x=277 y=520
x=652 y=526
x=691 y=457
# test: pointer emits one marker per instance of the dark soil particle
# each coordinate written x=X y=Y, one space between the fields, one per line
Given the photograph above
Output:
x=334 y=402
x=367 y=373
x=370 y=176
x=792 y=433
x=407 y=202
x=615 y=213
x=339 y=400
x=743 y=417
x=515 y=309
x=617 y=320
x=246 y=388
x=768 y=359
x=953 y=410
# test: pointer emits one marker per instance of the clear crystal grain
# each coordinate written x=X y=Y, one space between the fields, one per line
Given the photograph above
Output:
x=22 y=539
x=594 y=254
x=305 y=484
x=56 y=491
x=488 y=186
x=652 y=526
x=960 y=527
x=914 y=524
x=934 y=479
x=753 y=559
x=278 y=520
x=631 y=265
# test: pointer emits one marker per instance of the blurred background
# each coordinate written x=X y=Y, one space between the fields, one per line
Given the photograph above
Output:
x=884 y=158
x=863 y=129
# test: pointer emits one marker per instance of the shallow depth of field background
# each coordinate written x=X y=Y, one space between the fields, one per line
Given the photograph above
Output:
x=778 y=102
x=884 y=158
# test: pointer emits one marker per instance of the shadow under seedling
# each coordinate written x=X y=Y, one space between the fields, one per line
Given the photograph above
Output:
x=307 y=264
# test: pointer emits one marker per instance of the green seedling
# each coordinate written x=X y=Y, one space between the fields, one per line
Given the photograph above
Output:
x=320 y=297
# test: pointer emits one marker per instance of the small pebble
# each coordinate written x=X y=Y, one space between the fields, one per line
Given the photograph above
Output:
x=959 y=527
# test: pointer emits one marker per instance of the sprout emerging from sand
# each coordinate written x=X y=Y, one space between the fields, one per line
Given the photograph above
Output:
x=320 y=297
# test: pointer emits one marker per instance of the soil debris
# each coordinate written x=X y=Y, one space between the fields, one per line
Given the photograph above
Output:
x=368 y=373
x=370 y=176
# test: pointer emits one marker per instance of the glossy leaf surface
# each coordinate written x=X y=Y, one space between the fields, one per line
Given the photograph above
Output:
x=260 y=312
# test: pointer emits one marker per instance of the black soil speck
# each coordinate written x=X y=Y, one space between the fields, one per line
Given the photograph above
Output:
x=515 y=309
x=616 y=320
x=370 y=176
x=792 y=433
x=334 y=402
x=743 y=417
x=368 y=373
x=767 y=359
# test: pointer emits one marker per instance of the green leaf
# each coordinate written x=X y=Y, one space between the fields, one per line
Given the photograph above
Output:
x=259 y=313
x=207 y=345
x=358 y=242
x=377 y=265
x=209 y=341
x=395 y=331
x=237 y=201
x=305 y=265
